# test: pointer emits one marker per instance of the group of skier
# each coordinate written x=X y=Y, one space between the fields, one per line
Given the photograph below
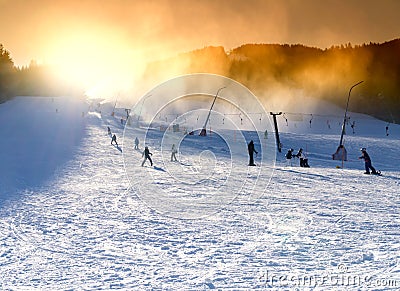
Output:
x=146 y=153
x=251 y=150
x=369 y=169
x=301 y=155
x=289 y=155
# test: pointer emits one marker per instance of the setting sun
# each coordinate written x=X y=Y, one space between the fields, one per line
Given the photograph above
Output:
x=96 y=59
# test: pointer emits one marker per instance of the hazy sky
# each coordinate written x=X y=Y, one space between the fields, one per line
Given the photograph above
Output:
x=116 y=35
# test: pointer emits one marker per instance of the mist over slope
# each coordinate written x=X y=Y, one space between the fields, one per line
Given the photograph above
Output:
x=288 y=72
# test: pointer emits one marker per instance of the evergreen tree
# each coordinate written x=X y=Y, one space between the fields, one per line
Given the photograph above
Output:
x=7 y=74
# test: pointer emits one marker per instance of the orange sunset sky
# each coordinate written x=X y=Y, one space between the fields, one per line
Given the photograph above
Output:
x=115 y=38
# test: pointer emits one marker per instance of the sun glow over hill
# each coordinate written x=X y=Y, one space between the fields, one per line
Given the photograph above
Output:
x=95 y=60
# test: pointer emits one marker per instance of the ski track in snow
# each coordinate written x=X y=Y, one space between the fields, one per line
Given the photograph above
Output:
x=88 y=229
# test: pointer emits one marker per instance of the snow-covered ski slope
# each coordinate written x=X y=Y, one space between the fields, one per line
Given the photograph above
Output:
x=39 y=134
x=71 y=220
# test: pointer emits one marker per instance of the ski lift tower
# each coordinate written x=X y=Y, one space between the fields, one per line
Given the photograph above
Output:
x=115 y=105
x=141 y=108
x=278 y=141
x=128 y=111
x=341 y=152
x=345 y=114
x=204 y=129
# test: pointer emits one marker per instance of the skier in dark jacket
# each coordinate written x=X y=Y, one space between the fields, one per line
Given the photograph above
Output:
x=303 y=158
x=367 y=160
x=174 y=151
x=114 y=139
x=289 y=156
x=146 y=154
x=251 y=150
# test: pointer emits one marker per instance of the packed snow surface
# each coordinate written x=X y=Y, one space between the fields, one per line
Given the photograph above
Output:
x=76 y=214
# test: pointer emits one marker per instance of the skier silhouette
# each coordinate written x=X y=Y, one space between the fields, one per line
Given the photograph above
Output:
x=352 y=126
x=109 y=130
x=367 y=160
x=289 y=156
x=146 y=154
x=303 y=158
x=250 y=148
x=173 y=152
x=114 y=139
x=136 y=143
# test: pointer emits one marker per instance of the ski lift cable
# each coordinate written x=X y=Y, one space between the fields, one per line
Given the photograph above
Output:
x=320 y=115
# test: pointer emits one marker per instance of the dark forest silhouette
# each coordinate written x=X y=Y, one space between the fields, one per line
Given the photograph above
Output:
x=324 y=74
x=32 y=80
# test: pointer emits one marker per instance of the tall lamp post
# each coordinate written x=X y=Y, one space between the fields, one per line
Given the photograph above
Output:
x=204 y=129
x=345 y=114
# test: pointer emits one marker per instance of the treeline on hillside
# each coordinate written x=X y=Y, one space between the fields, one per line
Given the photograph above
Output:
x=273 y=69
x=33 y=80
